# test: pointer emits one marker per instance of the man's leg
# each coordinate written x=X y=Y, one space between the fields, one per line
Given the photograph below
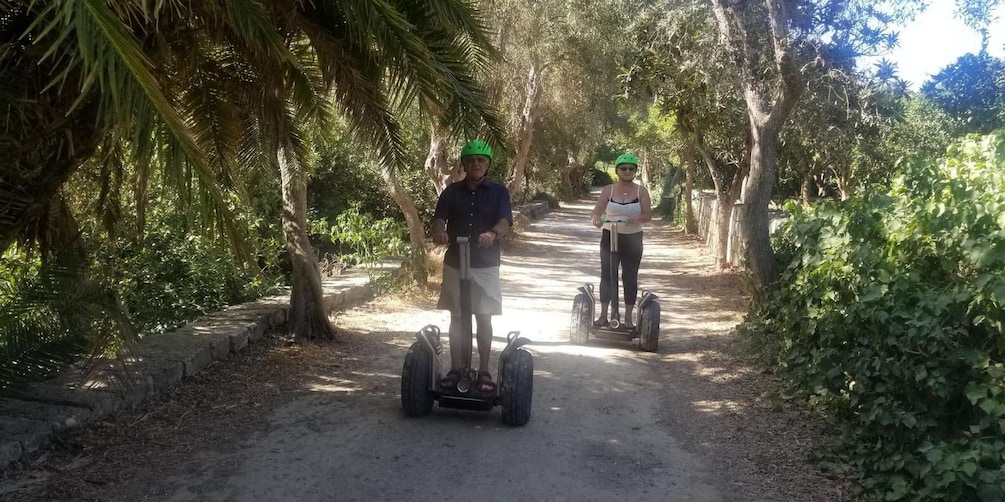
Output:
x=457 y=343
x=484 y=322
x=449 y=294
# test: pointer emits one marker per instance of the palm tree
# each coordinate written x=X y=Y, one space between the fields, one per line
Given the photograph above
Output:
x=222 y=88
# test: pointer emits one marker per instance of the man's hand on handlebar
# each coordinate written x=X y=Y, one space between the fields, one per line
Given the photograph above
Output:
x=485 y=239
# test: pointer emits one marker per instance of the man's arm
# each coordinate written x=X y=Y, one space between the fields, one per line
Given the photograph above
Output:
x=440 y=235
x=501 y=227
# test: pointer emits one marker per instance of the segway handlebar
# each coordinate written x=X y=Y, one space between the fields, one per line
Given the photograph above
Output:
x=614 y=219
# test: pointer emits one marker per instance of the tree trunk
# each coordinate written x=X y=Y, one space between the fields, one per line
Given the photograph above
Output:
x=770 y=100
x=844 y=181
x=690 y=222
x=416 y=231
x=725 y=199
x=806 y=189
x=759 y=258
x=55 y=149
x=58 y=232
x=307 y=318
x=644 y=168
x=525 y=136
x=569 y=188
x=441 y=174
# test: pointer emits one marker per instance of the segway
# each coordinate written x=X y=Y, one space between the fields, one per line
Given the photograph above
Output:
x=647 y=309
x=422 y=372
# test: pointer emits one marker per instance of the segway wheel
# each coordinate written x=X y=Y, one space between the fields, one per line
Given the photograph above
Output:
x=416 y=397
x=517 y=387
x=649 y=327
x=579 y=326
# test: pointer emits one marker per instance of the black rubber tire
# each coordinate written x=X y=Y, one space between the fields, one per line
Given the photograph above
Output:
x=416 y=398
x=517 y=387
x=649 y=329
x=579 y=324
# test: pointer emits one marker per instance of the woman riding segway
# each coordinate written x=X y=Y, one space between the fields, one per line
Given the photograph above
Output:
x=628 y=201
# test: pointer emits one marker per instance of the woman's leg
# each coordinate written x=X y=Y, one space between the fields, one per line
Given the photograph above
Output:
x=630 y=249
x=605 y=275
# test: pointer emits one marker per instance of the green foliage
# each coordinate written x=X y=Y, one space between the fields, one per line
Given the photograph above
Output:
x=972 y=91
x=344 y=167
x=601 y=175
x=53 y=314
x=361 y=239
x=922 y=131
x=546 y=197
x=889 y=319
x=670 y=205
x=173 y=278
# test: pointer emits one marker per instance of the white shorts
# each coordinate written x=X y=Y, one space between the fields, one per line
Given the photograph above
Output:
x=486 y=292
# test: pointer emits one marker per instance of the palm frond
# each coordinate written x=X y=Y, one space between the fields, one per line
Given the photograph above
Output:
x=51 y=316
x=90 y=35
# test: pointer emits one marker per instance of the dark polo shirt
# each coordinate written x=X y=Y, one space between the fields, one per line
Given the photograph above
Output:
x=471 y=213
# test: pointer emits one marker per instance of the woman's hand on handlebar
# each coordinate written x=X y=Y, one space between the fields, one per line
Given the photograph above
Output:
x=595 y=220
x=611 y=219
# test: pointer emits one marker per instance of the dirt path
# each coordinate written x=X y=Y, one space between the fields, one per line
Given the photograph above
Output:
x=285 y=422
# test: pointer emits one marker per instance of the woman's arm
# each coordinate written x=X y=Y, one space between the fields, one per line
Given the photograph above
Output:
x=601 y=206
x=647 y=205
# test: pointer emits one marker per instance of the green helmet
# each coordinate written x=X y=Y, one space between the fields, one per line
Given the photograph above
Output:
x=477 y=147
x=626 y=158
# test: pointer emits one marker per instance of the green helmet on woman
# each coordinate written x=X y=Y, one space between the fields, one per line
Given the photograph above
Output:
x=626 y=158
x=477 y=147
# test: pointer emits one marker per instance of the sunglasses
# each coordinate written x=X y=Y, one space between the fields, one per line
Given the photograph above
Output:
x=627 y=168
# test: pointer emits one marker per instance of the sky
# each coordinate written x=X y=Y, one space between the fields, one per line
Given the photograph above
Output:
x=937 y=38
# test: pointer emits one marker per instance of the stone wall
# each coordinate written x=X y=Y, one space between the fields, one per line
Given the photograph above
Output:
x=706 y=209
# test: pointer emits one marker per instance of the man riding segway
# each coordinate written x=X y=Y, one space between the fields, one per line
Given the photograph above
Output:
x=478 y=208
x=470 y=216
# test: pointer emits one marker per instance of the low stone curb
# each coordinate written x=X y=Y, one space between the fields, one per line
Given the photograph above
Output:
x=29 y=418
x=533 y=211
x=524 y=215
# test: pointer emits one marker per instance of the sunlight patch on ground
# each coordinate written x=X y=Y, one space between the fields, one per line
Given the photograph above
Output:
x=701 y=361
x=334 y=385
x=605 y=354
x=403 y=343
x=717 y=407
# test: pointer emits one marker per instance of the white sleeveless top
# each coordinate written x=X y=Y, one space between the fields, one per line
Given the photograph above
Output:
x=633 y=208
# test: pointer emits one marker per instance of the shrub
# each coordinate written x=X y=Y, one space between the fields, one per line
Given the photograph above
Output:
x=52 y=314
x=173 y=278
x=889 y=320
x=600 y=177
x=546 y=197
